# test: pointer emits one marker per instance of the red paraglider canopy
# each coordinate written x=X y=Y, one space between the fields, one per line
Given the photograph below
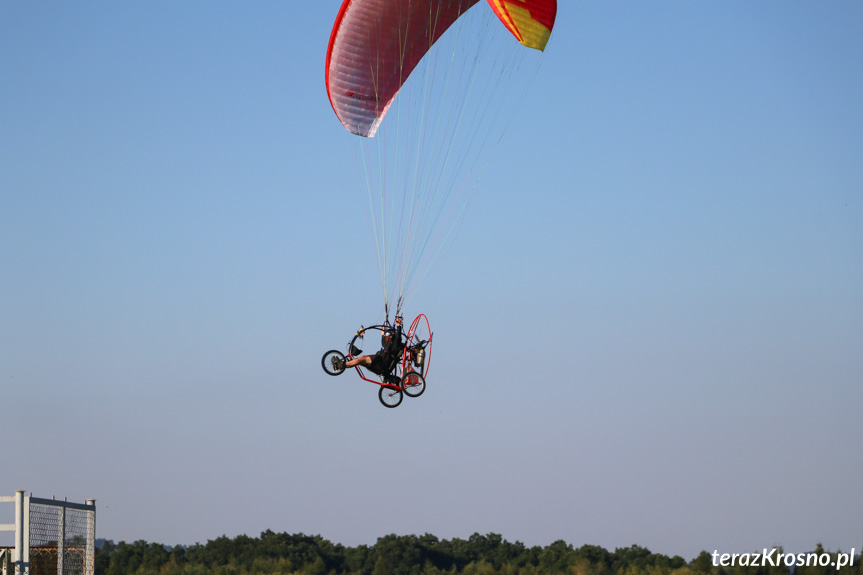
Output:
x=376 y=44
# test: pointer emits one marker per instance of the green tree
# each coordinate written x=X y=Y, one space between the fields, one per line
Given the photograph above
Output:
x=703 y=563
x=316 y=567
x=557 y=557
x=398 y=556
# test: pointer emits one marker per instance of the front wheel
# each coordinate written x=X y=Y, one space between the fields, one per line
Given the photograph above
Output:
x=390 y=397
x=414 y=384
x=333 y=362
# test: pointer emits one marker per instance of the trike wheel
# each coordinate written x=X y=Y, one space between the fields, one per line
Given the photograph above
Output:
x=414 y=384
x=390 y=397
x=333 y=362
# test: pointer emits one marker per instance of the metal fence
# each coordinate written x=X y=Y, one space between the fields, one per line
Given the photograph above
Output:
x=51 y=537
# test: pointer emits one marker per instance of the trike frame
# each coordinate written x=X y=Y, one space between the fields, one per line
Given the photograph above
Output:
x=412 y=366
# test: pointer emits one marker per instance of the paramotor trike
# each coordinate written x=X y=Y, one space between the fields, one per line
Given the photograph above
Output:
x=407 y=376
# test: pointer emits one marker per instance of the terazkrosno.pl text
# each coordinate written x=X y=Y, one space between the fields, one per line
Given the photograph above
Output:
x=774 y=557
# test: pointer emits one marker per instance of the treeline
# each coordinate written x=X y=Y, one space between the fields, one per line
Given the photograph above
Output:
x=299 y=554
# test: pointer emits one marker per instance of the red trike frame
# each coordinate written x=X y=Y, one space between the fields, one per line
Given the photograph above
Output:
x=408 y=354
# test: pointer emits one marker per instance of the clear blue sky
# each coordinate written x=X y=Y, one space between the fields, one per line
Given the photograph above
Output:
x=650 y=330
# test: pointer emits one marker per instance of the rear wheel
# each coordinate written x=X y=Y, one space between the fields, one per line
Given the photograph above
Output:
x=414 y=384
x=390 y=397
x=333 y=362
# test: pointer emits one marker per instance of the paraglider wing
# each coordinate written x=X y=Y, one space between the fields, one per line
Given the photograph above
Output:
x=448 y=73
x=530 y=21
x=374 y=46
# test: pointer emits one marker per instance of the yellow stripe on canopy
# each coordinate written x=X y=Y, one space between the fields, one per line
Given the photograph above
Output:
x=530 y=21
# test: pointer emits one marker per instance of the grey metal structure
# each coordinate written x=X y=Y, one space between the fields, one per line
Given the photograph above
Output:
x=51 y=537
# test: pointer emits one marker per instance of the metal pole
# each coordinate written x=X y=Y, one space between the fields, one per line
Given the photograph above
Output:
x=26 y=536
x=22 y=533
x=61 y=542
x=90 y=560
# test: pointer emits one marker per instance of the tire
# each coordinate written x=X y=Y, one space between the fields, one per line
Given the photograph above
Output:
x=390 y=397
x=327 y=362
x=414 y=384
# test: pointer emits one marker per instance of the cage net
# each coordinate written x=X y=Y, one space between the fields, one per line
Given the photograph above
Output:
x=51 y=524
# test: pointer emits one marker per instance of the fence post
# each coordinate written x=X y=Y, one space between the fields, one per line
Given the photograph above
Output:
x=22 y=531
x=61 y=541
x=89 y=562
